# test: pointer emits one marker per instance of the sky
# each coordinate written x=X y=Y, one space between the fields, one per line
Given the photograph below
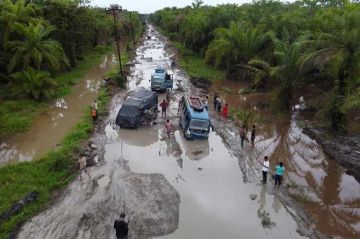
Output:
x=149 y=6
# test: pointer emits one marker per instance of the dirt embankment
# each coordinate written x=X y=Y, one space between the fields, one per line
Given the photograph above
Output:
x=345 y=149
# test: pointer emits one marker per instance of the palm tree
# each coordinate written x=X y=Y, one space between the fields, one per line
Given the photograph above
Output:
x=337 y=51
x=286 y=74
x=15 y=12
x=236 y=45
x=33 y=83
x=35 y=48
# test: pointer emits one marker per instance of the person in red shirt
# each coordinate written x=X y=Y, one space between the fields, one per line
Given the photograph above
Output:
x=168 y=127
x=225 y=111
x=164 y=106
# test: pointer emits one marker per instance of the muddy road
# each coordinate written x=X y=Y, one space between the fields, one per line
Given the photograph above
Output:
x=320 y=184
x=169 y=188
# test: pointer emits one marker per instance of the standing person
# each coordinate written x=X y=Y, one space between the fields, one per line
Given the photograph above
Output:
x=122 y=227
x=94 y=114
x=218 y=104
x=225 y=111
x=280 y=169
x=94 y=105
x=206 y=103
x=253 y=133
x=242 y=135
x=168 y=128
x=148 y=117
x=265 y=169
x=215 y=101
x=163 y=106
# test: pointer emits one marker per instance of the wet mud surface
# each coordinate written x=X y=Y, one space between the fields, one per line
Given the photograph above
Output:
x=174 y=188
x=50 y=127
x=319 y=184
x=345 y=150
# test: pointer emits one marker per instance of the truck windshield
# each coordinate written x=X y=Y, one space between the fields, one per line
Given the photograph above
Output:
x=199 y=124
x=159 y=80
x=159 y=71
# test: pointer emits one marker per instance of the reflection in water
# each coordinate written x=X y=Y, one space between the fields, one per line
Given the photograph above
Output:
x=195 y=149
x=61 y=103
x=136 y=137
x=50 y=127
x=331 y=196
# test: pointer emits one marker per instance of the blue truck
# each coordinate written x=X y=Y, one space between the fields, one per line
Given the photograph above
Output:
x=161 y=80
x=194 y=118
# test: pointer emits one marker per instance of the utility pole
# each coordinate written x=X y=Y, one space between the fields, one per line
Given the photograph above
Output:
x=114 y=8
x=132 y=27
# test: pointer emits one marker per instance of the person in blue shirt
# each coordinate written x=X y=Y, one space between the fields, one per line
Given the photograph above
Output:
x=280 y=169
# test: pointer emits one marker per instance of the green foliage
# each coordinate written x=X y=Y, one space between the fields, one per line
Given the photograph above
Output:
x=34 y=84
x=53 y=36
x=246 y=117
x=236 y=45
x=35 y=49
x=16 y=115
x=278 y=47
x=195 y=65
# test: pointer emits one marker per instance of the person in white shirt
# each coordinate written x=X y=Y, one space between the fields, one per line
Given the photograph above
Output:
x=94 y=105
x=265 y=169
x=206 y=103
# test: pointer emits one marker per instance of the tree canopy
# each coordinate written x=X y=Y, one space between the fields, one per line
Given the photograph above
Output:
x=281 y=47
x=39 y=39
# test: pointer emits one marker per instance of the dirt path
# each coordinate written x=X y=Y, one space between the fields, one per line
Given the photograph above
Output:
x=169 y=187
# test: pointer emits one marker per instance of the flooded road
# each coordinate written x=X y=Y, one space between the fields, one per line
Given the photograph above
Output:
x=50 y=127
x=319 y=183
x=169 y=187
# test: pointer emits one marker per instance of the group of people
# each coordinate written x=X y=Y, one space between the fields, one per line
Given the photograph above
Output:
x=243 y=133
x=279 y=171
x=218 y=105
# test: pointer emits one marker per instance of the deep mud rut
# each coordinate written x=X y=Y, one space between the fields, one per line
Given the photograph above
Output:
x=169 y=188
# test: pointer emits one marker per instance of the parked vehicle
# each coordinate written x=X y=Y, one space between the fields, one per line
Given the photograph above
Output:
x=194 y=119
x=161 y=80
x=132 y=112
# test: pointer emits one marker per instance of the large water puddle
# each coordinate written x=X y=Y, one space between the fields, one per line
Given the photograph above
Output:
x=319 y=183
x=215 y=202
x=50 y=127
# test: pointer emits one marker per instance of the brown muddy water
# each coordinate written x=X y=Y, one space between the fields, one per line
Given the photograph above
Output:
x=319 y=183
x=170 y=188
x=50 y=127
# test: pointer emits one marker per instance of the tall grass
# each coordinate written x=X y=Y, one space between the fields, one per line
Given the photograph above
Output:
x=195 y=65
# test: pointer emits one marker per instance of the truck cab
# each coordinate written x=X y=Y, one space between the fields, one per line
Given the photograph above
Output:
x=194 y=119
x=161 y=80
